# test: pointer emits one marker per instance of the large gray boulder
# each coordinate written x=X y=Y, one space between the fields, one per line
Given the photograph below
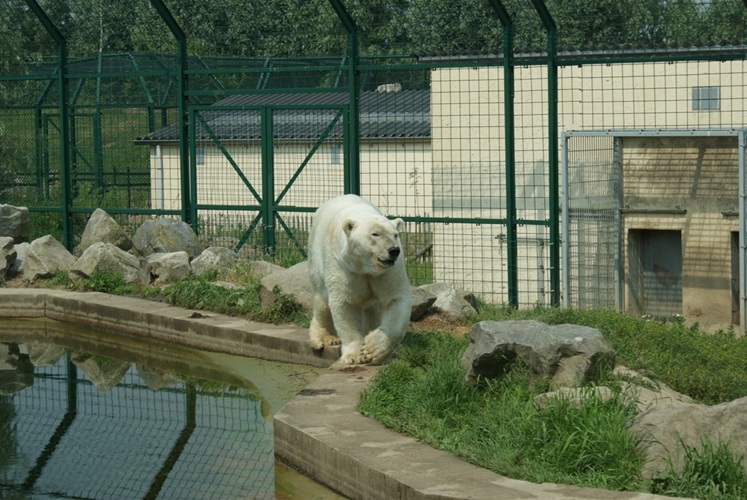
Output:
x=102 y=228
x=14 y=222
x=566 y=355
x=46 y=256
x=451 y=303
x=212 y=259
x=110 y=258
x=422 y=301
x=294 y=280
x=165 y=235
x=169 y=267
x=670 y=422
x=8 y=255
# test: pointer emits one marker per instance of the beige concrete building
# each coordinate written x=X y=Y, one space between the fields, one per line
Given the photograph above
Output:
x=679 y=212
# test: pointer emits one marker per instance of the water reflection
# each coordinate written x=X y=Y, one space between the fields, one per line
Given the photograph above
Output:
x=85 y=416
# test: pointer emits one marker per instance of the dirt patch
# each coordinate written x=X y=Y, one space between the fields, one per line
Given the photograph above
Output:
x=436 y=322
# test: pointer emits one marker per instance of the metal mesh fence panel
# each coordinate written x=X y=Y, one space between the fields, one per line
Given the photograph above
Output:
x=435 y=135
x=591 y=222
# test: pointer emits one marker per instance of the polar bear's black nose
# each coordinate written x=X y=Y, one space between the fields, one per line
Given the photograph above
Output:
x=394 y=252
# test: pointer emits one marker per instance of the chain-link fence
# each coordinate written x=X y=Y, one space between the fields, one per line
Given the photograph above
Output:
x=242 y=117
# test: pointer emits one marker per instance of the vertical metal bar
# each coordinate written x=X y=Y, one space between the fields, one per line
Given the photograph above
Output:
x=742 y=234
x=192 y=143
x=183 y=104
x=565 y=216
x=552 y=147
x=353 y=173
x=508 y=111
x=268 y=182
x=62 y=103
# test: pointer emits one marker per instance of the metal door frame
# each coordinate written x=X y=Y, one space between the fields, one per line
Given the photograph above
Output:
x=740 y=134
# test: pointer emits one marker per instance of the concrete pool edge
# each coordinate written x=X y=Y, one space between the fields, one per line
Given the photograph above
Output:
x=319 y=431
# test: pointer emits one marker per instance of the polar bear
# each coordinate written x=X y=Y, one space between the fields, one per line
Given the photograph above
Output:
x=362 y=297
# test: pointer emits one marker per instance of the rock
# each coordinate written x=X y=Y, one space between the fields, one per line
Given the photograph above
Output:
x=16 y=370
x=422 y=300
x=567 y=355
x=669 y=422
x=8 y=255
x=452 y=304
x=14 y=223
x=213 y=258
x=169 y=267
x=45 y=257
x=22 y=249
x=110 y=258
x=43 y=354
x=165 y=235
x=262 y=268
x=294 y=280
x=154 y=378
x=102 y=228
x=103 y=372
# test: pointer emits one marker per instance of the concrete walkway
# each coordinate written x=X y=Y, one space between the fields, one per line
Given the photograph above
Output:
x=319 y=432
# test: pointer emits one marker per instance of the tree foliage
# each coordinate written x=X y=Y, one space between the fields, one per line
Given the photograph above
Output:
x=386 y=27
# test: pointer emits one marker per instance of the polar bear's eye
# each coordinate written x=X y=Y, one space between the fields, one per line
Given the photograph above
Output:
x=375 y=235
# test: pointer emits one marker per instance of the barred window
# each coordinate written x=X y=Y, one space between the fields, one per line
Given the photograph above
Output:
x=706 y=98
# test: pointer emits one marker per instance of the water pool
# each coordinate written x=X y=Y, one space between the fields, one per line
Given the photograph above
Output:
x=85 y=414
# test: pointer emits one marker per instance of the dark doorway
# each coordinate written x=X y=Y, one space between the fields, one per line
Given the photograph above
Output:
x=655 y=272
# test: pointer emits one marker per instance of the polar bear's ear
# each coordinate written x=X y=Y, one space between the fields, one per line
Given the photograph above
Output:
x=399 y=224
x=348 y=226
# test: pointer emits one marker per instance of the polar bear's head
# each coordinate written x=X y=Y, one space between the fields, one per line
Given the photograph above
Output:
x=373 y=244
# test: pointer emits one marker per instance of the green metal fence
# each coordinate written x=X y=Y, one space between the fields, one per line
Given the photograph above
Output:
x=241 y=117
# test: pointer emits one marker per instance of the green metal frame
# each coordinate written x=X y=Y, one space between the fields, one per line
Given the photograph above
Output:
x=268 y=205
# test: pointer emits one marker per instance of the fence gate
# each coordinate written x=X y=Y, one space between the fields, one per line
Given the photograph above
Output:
x=591 y=222
x=258 y=172
x=663 y=168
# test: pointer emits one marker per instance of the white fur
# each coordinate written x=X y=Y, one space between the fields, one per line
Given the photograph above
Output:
x=360 y=299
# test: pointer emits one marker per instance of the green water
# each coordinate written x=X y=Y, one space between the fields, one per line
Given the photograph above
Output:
x=94 y=415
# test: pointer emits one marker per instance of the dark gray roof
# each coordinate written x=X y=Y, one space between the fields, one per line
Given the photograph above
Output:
x=402 y=114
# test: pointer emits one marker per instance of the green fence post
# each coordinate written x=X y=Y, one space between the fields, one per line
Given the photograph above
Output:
x=63 y=105
x=268 y=182
x=508 y=110
x=183 y=106
x=552 y=147
x=353 y=162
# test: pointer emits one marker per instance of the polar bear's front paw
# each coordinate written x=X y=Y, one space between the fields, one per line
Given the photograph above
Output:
x=355 y=358
x=324 y=341
x=377 y=346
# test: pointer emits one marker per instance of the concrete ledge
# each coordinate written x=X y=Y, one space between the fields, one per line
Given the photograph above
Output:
x=319 y=432
x=155 y=320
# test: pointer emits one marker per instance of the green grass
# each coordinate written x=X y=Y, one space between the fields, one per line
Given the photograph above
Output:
x=711 y=472
x=496 y=424
x=200 y=292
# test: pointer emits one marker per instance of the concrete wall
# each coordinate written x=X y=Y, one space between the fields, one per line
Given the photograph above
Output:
x=698 y=175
